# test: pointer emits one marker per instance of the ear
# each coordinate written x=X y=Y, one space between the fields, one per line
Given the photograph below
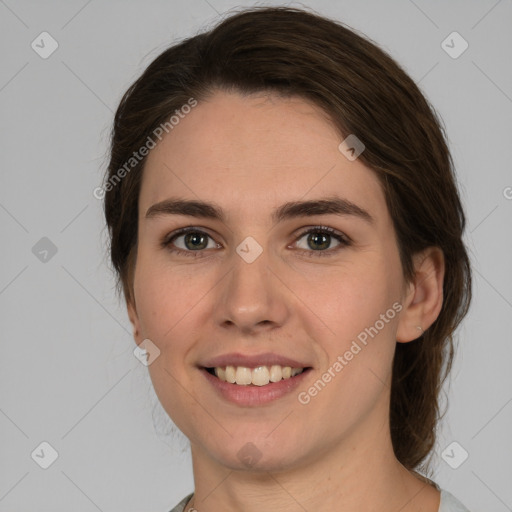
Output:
x=424 y=295
x=134 y=320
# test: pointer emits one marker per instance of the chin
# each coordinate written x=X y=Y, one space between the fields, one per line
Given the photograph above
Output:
x=258 y=455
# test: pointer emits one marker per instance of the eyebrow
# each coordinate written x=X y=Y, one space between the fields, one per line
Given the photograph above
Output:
x=290 y=210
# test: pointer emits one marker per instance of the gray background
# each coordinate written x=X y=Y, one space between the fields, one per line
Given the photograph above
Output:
x=68 y=375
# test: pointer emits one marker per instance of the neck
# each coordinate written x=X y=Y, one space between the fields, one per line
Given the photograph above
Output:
x=359 y=473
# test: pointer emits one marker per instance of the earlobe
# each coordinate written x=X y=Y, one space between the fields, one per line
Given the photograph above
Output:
x=424 y=298
x=134 y=320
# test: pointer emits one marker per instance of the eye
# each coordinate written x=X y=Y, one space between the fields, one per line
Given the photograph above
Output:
x=192 y=241
x=189 y=241
x=319 y=239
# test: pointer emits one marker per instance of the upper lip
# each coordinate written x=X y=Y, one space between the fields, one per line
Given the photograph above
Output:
x=252 y=361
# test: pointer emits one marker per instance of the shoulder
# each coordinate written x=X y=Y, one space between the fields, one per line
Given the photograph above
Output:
x=450 y=503
x=181 y=505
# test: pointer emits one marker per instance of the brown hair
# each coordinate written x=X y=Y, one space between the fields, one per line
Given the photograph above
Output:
x=365 y=92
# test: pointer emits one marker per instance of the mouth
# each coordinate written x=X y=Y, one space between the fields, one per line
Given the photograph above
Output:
x=258 y=376
x=250 y=380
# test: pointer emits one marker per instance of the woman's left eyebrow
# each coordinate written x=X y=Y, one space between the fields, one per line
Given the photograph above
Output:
x=332 y=205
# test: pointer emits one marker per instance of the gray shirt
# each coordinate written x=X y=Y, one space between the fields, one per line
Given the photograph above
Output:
x=448 y=503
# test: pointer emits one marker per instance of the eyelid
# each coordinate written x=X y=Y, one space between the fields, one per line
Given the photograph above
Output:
x=324 y=229
x=183 y=231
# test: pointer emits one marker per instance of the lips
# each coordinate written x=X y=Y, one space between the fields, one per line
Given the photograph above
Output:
x=251 y=395
x=253 y=379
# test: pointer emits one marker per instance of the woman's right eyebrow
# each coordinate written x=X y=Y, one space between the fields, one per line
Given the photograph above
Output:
x=332 y=205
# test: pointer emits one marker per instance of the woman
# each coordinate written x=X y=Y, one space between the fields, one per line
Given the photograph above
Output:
x=287 y=232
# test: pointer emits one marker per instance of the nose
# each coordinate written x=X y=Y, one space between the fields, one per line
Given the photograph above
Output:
x=252 y=298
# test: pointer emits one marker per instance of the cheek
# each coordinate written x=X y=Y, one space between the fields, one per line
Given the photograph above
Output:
x=361 y=310
x=357 y=308
x=167 y=305
x=165 y=297
x=348 y=299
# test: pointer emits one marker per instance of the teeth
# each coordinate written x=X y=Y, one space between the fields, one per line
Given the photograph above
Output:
x=276 y=373
x=259 y=376
x=221 y=373
x=230 y=374
x=243 y=375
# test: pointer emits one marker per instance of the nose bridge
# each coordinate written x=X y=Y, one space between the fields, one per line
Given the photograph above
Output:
x=252 y=296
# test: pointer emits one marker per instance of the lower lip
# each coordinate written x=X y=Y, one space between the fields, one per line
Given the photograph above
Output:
x=252 y=395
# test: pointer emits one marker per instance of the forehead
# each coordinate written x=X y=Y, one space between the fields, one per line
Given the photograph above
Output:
x=253 y=153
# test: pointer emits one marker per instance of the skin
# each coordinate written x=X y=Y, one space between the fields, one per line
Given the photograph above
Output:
x=251 y=154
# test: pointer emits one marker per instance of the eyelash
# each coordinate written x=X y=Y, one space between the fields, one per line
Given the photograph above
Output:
x=340 y=237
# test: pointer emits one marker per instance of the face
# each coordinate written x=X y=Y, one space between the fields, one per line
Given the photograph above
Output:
x=266 y=282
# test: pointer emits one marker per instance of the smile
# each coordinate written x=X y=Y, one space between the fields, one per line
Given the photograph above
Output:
x=253 y=387
x=259 y=376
